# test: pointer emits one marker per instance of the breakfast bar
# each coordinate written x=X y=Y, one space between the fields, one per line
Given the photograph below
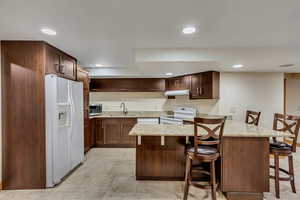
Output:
x=243 y=170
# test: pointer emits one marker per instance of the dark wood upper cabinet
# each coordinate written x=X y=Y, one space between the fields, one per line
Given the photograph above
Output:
x=68 y=67
x=152 y=84
x=178 y=83
x=205 y=85
x=60 y=63
x=128 y=85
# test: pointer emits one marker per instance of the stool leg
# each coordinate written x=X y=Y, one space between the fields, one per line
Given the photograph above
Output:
x=187 y=177
x=213 y=180
x=291 y=171
x=276 y=159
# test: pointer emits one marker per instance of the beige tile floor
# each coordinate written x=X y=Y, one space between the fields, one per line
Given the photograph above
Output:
x=110 y=174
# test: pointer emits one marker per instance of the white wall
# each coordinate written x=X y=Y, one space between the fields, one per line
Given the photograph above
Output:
x=255 y=91
x=239 y=92
x=293 y=96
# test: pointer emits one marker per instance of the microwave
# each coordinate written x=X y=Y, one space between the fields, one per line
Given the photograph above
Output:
x=95 y=109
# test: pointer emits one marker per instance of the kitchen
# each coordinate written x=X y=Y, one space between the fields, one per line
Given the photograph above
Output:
x=102 y=110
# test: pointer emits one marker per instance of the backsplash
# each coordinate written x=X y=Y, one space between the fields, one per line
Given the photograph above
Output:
x=149 y=101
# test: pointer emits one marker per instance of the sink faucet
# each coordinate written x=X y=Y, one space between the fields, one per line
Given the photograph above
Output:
x=124 y=109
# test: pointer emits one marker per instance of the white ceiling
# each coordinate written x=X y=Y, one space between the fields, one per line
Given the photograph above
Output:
x=143 y=37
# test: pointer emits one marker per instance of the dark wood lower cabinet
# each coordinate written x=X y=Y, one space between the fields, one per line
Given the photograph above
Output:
x=244 y=164
x=245 y=167
x=97 y=130
x=113 y=132
x=126 y=126
x=157 y=162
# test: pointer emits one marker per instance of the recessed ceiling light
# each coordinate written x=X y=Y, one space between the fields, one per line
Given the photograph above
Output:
x=99 y=65
x=238 y=66
x=169 y=74
x=189 y=30
x=48 y=31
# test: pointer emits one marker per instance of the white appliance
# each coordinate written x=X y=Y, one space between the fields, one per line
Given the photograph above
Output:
x=64 y=127
x=151 y=120
x=177 y=93
x=180 y=114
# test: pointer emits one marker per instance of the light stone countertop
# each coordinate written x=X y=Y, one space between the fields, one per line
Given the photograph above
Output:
x=137 y=114
x=231 y=129
x=146 y=114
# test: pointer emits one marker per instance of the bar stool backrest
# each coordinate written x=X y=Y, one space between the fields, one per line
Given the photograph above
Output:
x=289 y=123
x=252 y=117
x=213 y=128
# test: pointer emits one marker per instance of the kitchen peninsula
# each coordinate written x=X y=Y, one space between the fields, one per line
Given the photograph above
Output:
x=244 y=165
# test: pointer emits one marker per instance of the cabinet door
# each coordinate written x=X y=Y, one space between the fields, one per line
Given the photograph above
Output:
x=59 y=63
x=99 y=133
x=179 y=83
x=151 y=85
x=112 y=131
x=89 y=129
x=127 y=125
x=206 y=86
x=68 y=67
x=195 y=86
x=52 y=60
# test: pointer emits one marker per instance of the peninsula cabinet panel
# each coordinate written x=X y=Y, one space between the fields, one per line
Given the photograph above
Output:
x=157 y=162
x=126 y=125
x=245 y=166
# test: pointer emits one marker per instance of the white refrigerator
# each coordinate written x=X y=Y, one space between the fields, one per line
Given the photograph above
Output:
x=64 y=127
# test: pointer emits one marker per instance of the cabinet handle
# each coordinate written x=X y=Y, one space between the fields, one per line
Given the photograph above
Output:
x=201 y=91
x=123 y=89
x=62 y=69
x=197 y=90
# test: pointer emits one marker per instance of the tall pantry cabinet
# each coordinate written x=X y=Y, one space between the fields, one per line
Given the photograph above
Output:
x=24 y=65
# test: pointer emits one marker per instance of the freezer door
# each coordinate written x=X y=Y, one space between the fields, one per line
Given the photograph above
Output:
x=77 y=134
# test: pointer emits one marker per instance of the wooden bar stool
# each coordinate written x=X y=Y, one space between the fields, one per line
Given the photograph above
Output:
x=252 y=117
x=290 y=124
x=205 y=149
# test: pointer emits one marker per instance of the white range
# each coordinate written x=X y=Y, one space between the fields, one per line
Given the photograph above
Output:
x=180 y=114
